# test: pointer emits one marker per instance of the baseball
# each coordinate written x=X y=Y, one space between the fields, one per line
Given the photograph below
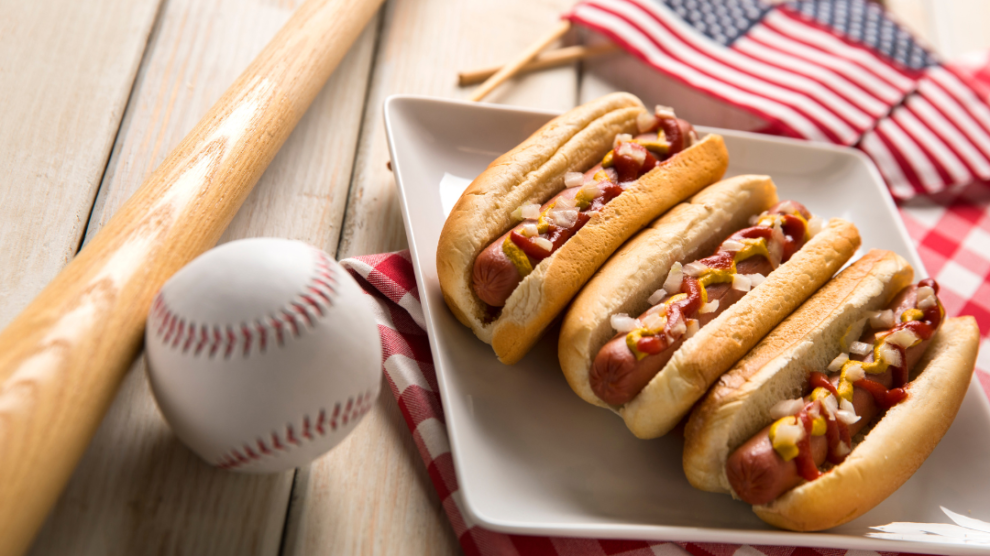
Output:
x=262 y=354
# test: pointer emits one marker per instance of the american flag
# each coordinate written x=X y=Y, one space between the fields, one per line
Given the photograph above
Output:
x=840 y=71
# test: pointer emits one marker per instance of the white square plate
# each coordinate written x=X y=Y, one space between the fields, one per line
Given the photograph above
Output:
x=533 y=458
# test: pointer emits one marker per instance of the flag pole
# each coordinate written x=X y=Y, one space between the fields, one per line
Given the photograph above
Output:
x=551 y=59
x=512 y=68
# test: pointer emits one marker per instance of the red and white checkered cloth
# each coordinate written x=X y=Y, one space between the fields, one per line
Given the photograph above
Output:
x=952 y=233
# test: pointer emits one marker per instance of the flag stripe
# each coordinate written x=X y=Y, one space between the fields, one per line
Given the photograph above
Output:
x=951 y=169
x=828 y=70
x=800 y=28
x=821 y=74
x=625 y=34
x=655 y=30
x=887 y=164
x=978 y=164
x=916 y=157
x=794 y=89
x=965 y=95
x=766 y=33
x=940 y=98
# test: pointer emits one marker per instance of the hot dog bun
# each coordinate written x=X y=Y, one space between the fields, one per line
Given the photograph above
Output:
x=690 y=231
x=777 y=369
x=533 y=172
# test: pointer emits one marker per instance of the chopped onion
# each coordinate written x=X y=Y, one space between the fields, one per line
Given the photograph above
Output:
x=753 y=220
x=528 y=212
x=564 y=218
x=627 y=150
x=664 y=111
x=543 y=243
x=620 y=139
x=732 y=245
x=815 y=225
x=591 y=189
x=678 y=330
x=855 y=372
x=891 y=355
x=654 y=321
x=926 y=298
x=847 y=412
x=756 y=279
x=709 y=307
x=830 y=405
x=741 y=283
x=692 y=328
x=776 y=244
x=695 y=269
x=672 y=284
x=815 y=410
x=565 y=203
x=882 y=320
x=645 y=122
x=530 y=229
x=904 y=338
x=838 y=362
x=692 y=138
x=842 y=449
x=622 y=322
x=846 y=417
x=788 y=433
x=860 y=348
x=657 y=296
x=573 y=179
x=852 y=333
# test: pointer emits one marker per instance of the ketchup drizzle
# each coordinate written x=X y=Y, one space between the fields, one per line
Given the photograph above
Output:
x=681 y=310
x=838 y=432
x=805 y=461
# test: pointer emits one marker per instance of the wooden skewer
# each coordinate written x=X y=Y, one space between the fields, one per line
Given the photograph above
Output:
x=63 y=357
x=513 y=67
x=546 y=60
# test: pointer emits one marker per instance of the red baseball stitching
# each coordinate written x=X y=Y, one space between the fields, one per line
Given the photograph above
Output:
x=250 y=452
x=311 y=304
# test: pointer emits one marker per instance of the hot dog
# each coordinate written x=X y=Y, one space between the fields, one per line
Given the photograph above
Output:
x=501 y=266
x=687 y=278
x=785 y=456
x=619 y=373
x=530 y=230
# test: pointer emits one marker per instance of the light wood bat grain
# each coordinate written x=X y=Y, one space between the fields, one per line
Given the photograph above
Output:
x=63 y=357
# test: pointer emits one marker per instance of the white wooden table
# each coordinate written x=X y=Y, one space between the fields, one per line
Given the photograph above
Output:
x=94 y=94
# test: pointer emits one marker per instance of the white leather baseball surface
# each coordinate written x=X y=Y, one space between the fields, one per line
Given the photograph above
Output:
x=263 y=354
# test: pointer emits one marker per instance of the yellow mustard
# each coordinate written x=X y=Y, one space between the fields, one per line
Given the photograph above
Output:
x=517 y=256
x=787 y=450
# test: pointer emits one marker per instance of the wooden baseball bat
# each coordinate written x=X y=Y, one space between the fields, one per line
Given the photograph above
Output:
x=63 y=358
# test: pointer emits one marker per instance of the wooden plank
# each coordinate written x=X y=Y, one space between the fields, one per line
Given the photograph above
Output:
x=66 y=70
x=372 y=496
x=137 y=489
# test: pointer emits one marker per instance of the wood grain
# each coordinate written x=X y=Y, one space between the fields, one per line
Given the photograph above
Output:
x=63 y=357
x=66 y=69
x=138 y=490
x=423 y=45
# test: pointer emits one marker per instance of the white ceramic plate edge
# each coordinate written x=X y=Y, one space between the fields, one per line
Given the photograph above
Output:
x=660 y=532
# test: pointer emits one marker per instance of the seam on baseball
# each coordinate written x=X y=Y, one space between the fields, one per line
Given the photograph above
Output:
x=297 y=315
x=308 y=430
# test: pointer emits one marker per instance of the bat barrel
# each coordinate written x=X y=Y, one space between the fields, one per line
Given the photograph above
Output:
x=63 y=358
